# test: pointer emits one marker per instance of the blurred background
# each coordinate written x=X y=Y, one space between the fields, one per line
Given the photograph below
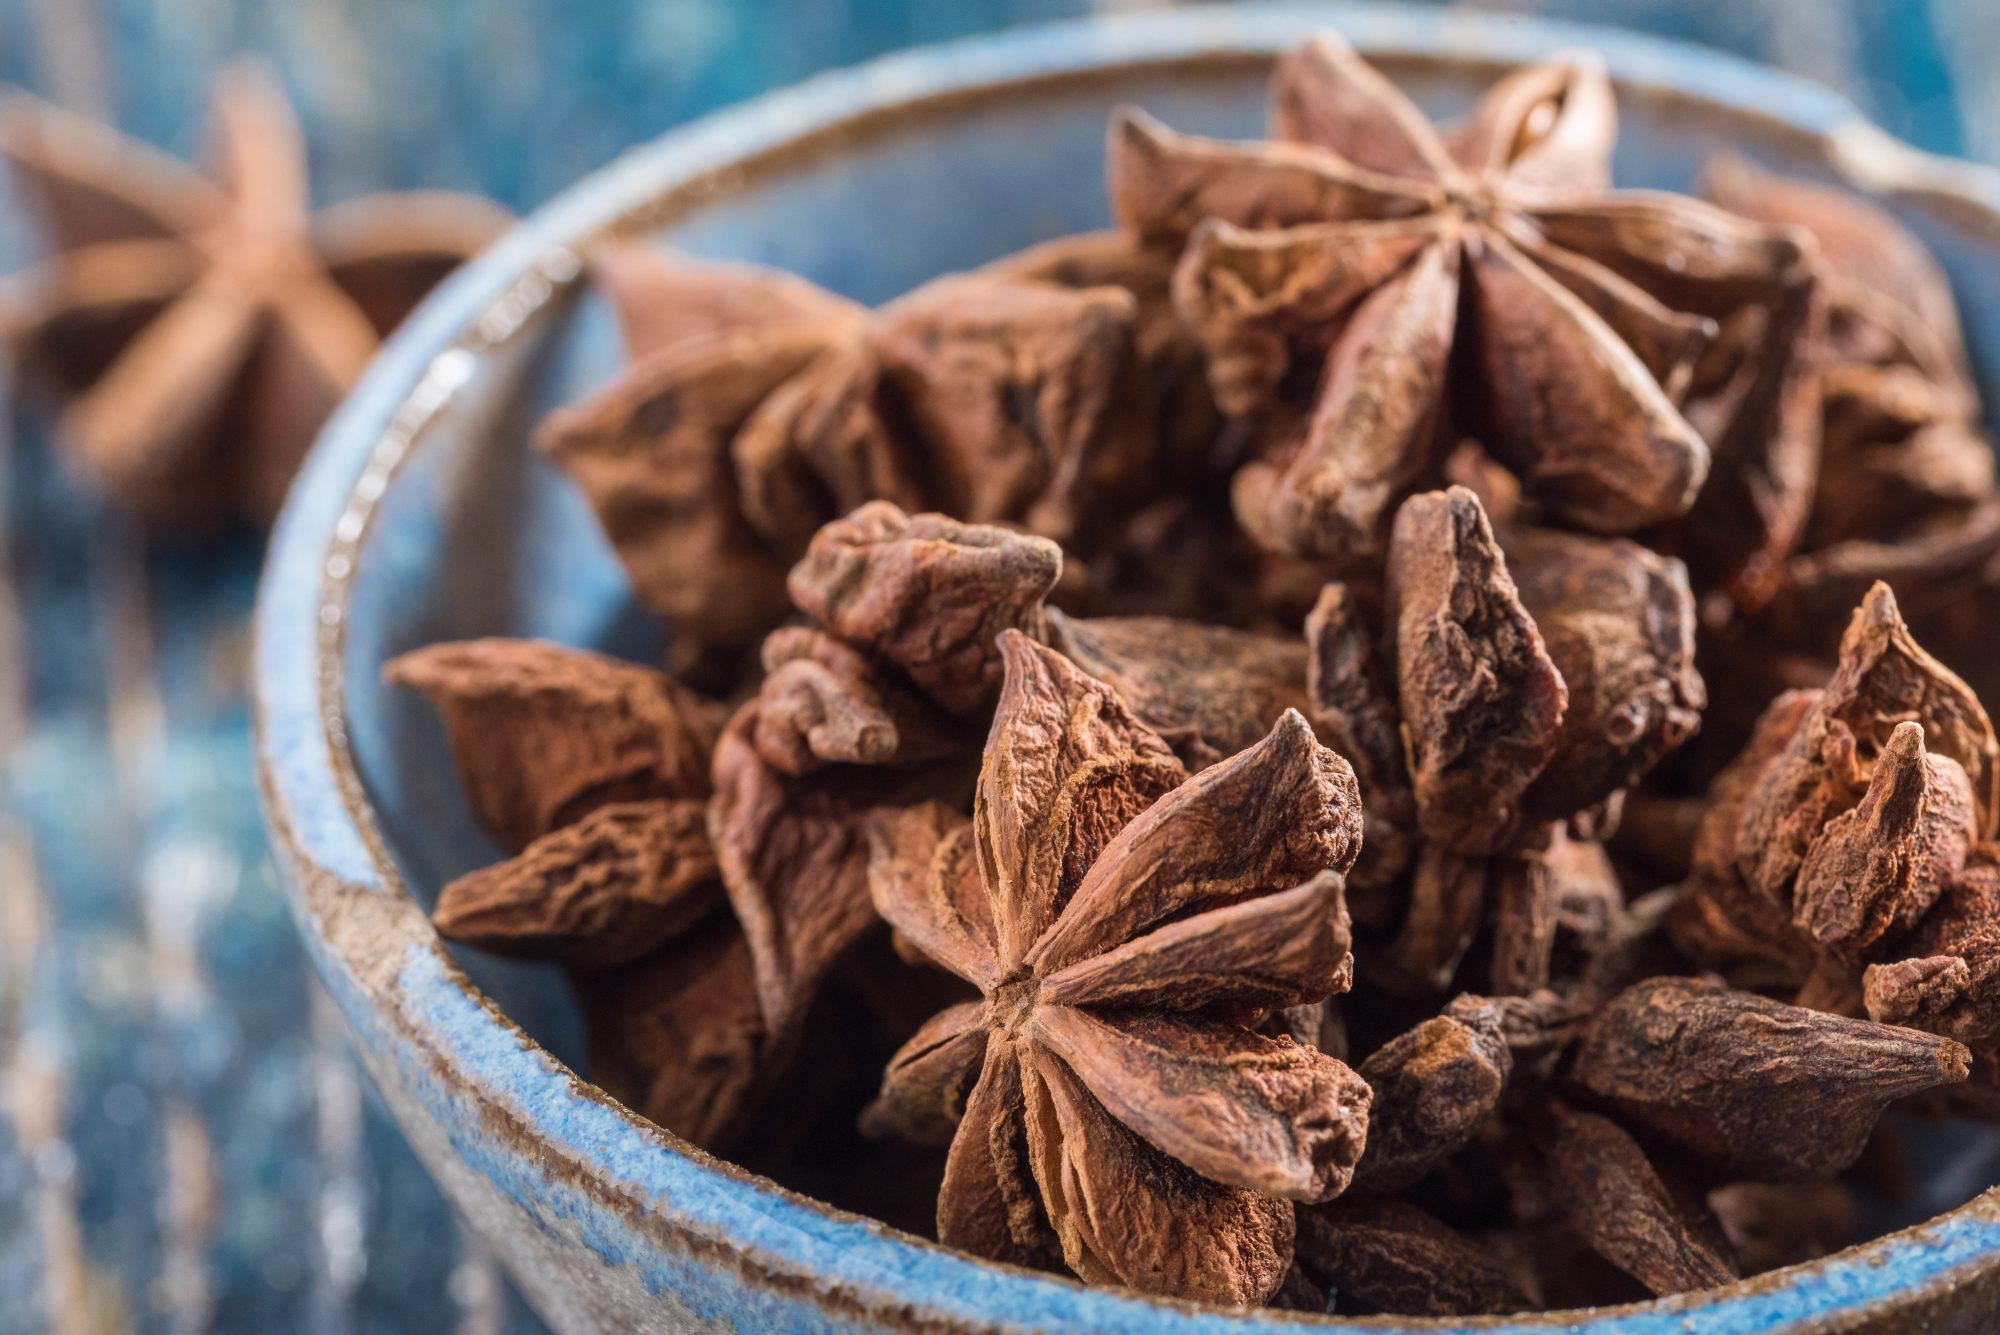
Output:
x=184 y=1142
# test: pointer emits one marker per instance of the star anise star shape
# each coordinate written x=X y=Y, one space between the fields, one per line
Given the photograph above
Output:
x=759 y=407
x=1368 y=288
x=1125 y=925
x=208 y=323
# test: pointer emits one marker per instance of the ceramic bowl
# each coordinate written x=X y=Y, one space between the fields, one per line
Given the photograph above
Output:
x=424 y=515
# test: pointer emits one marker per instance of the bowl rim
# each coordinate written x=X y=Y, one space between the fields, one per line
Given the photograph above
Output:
x=374 y=947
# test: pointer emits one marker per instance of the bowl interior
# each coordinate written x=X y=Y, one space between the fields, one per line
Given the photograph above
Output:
x=476 y=535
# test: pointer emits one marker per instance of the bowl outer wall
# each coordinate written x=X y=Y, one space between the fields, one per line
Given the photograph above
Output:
x=606 y=1221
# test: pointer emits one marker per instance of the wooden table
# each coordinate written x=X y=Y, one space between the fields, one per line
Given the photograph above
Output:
x=185 y=1142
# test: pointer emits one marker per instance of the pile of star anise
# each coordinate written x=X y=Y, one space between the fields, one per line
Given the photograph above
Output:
x=1178 y=749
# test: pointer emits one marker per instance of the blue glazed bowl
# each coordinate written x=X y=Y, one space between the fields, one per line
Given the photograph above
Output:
x=424 y=515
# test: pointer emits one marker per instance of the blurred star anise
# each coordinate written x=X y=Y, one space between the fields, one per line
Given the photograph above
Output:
x=1905 y=490
x=1899 y=421
x=208 y=323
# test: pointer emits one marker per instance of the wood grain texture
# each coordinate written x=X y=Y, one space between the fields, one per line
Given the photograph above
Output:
x=185 y=1142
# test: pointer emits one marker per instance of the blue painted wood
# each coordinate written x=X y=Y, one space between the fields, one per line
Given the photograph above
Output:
x=198 y=1149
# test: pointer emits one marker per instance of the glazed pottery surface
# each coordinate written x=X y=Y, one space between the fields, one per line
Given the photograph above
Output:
x=425 y=515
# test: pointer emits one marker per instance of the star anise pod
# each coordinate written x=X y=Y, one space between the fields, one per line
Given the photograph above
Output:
x=1884 y=680
x=884 y=704
x=593 y=775
x=800 y=768
x=208 y=323
x=1899 y=416
x=1487 y=783
x=1124 y=924
x=1905 y=491
x=1850 y=817
x=925 y=597
x=1368 y=288
x=1353 y=705
x=764 y=407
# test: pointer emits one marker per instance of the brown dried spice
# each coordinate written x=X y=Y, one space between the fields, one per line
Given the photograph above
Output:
x=928 y=595
x=1878 y=867
x=1140 y=877
x=1899 y=410
x=1770 y=1225
x=1759 y=1089
x=1433 y=1087
x=654 y=451
x=1482 y=704
x=1617 y=1200
x=1948 y=981
x=1618 y=622
x=1209 y=691
x=1132 y=919
x=614 y=886
x=598 y=771
x=1884 y=678
x=1398 y=279
x=770 y=408
x=208 y=321
x=542 y=735
x=1353 y=706
x=1394 y=1258
x=1890 y=302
